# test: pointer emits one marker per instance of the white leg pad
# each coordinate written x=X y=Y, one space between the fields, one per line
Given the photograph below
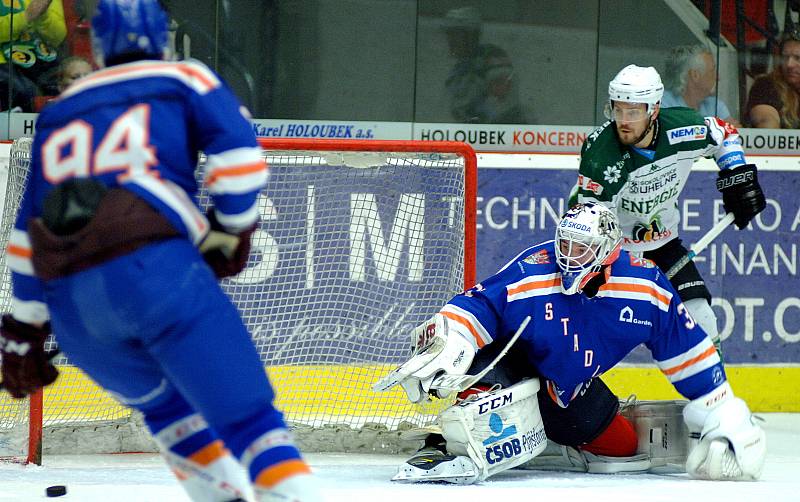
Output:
x=662 y=433
x=497 y=430
x=558 y=457
x=663 y=444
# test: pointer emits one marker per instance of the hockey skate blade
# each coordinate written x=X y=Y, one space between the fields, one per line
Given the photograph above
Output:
x=458 y=470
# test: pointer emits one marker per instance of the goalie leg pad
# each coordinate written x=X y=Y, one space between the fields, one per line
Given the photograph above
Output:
x=497 y=430
x=662 y=433
x=558 y=457
x=663 y=444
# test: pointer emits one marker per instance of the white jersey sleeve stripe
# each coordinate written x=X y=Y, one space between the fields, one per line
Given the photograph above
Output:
x=18 y=253
x=700 y=357
x=535 y=285
x=238 y=179
x=194 y=76
x=692 y=367
x=636 y=289
x=233 y=157
x=239 y=220
x=236 y=171
x=467 y=325
x=31 y=312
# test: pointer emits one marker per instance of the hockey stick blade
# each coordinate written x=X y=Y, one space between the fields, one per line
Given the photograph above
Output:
x=700 y=245
x=457 y=383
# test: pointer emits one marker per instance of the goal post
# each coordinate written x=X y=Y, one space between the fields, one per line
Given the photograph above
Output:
x=359 y=241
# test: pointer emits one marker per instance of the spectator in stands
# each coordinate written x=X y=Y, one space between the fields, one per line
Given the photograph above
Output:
x=690 y=80
x=30 y=32
x=70 y=70
x=481 y=85
x=774 y=100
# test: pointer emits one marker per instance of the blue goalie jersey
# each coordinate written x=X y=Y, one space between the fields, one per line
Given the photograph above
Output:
x=127 y=126
x=573 y=338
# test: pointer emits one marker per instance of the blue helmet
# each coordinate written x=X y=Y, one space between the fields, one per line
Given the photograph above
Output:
x=121 y=27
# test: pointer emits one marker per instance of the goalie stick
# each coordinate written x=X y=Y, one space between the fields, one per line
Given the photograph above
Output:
x=457 y=383
x=700 y=245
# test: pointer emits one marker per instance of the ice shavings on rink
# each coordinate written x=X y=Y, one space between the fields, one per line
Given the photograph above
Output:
x=357 y=477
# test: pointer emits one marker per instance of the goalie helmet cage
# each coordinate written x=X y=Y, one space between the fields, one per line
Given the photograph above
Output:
x=359 y=242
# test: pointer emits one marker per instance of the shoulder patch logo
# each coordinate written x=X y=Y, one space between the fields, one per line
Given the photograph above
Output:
x=642 y=262
x=689 y=133
x=538 y=257
x=590 y=185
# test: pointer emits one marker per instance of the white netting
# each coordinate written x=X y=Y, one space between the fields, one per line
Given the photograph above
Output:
x=348 y=259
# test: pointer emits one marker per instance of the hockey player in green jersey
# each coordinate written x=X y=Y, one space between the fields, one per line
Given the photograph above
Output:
x=637 y=164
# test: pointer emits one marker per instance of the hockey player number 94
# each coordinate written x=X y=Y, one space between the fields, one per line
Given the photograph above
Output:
x=67 y=153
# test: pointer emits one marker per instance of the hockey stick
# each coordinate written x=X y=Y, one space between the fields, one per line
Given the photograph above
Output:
x=457 y=383
x=700 y=245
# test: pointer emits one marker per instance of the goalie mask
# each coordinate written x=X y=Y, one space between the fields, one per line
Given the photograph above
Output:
x=587 y=238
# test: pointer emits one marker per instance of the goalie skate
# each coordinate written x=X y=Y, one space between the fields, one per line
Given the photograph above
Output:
x=431 y=465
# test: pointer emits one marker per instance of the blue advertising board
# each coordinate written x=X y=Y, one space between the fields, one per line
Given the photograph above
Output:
x=751 y=273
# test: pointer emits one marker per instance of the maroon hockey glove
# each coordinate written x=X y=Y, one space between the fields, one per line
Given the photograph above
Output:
x=226 y=252
x=26 y=366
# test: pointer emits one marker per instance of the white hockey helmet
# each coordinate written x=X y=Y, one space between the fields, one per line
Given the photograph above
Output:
x=587 y=237
x=637 y=84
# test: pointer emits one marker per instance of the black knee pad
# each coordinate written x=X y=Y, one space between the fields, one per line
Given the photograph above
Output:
x=586 y=417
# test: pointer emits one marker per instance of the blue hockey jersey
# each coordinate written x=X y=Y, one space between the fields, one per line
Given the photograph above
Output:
x=573 y=338
x=141 y=126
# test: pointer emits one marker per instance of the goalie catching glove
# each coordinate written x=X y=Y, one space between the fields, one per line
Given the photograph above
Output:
x=437 y=350
x=26 y=367
x=226 y=251
x=741 y=193
x=728 y=443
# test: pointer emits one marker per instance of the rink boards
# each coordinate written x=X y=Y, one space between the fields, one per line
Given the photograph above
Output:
x=75 y=397
x=751 y=273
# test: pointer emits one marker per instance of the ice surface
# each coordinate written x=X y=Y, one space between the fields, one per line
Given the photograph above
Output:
x=357 y=477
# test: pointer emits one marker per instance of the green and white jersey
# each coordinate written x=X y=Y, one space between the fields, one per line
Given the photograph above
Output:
x=643 y=186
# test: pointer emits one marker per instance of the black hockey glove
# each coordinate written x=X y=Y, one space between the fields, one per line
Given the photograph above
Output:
x=26 y=366
x=226 y=252
x=741 y=193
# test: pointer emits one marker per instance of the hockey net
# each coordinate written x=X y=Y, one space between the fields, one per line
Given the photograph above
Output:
x=359 y=242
